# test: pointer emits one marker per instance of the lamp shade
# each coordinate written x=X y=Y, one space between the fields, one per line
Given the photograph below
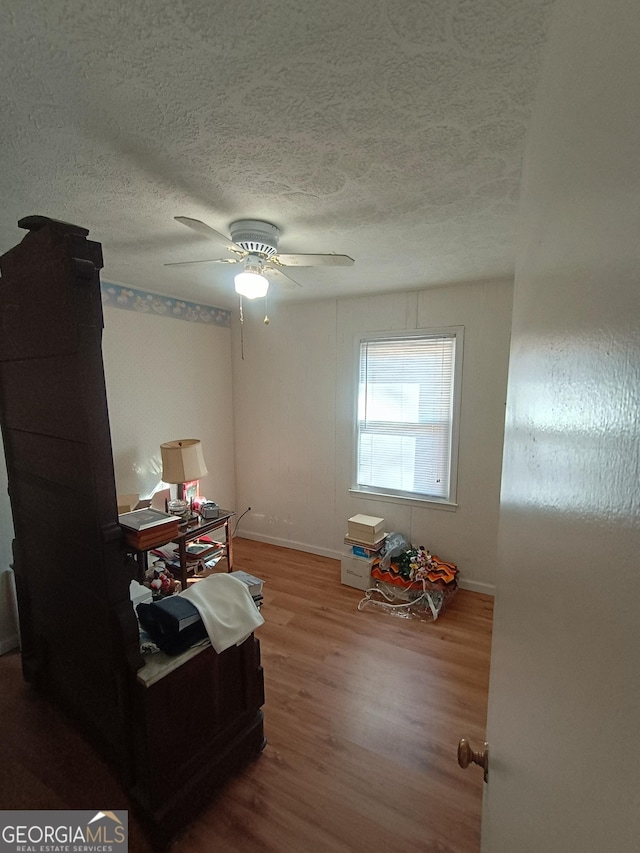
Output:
x=251 y=284
x=182 y=460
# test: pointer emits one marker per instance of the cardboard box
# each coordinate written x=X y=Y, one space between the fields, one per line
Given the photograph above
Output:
x=365 y=528
x=356 y=572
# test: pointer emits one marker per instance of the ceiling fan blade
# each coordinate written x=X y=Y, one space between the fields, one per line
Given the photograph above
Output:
x=201 y=228
x=281 y=277
x=314 y=260
x=206 y=261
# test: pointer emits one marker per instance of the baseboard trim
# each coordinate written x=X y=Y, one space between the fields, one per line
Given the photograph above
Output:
x=477 y=586
x=287 y=543
x=473 y=586
x=9 y=644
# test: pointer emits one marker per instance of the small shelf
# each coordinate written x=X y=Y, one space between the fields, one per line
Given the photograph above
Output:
x=207 y=549
x=185 y=563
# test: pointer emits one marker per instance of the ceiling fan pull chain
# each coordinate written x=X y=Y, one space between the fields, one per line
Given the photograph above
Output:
x=241 y=329
x=266 y=315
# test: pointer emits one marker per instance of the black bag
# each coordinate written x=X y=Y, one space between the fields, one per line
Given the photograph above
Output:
x=173 y=623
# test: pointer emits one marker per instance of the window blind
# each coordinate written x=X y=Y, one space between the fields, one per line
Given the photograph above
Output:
x=405 y=415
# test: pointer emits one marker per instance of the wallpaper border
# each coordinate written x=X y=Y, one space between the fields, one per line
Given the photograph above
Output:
x=144 y=302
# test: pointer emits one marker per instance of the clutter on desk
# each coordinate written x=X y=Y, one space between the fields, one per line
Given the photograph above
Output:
x=219 y=608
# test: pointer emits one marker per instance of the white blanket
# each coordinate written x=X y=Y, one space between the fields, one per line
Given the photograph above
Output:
x=227 y=609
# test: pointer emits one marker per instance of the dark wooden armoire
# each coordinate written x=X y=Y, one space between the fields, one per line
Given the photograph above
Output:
x=78 y=629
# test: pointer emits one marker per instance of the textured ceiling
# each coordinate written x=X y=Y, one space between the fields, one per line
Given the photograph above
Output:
x=388 y=130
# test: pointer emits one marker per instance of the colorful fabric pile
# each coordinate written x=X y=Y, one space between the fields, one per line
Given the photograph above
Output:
x=410 y=569
x=416 y=584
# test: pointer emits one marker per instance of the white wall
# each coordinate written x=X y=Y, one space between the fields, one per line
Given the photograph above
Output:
x=294 y=405
x=167 y=379
x=564 y=703
x=284 y=400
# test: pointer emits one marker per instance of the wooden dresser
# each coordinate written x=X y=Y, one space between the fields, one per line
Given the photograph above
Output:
x=78 y=629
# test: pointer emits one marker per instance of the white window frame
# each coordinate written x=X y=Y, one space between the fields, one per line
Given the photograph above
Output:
x=377 y=493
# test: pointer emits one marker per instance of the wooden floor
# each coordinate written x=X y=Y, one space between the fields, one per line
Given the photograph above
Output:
x=363 y=714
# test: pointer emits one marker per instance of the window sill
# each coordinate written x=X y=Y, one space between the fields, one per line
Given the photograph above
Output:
x=413 y=501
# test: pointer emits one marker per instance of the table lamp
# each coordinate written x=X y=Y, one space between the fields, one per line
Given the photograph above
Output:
x=182 y=462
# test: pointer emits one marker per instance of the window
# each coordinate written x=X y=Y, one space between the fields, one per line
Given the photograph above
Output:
x=407 y=422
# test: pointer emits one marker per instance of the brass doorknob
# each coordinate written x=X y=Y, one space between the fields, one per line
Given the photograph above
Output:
x=467 y=756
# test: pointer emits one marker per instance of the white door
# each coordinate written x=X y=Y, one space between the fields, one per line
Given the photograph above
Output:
x=564 y=703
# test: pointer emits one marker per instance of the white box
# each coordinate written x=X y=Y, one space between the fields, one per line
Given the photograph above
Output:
x=370 y=528
x=356 y=572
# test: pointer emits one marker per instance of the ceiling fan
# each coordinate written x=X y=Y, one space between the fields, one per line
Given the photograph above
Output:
x=255 y=245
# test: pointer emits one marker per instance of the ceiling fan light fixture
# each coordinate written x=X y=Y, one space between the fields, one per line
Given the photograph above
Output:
x=255 y=236
x=251 y=283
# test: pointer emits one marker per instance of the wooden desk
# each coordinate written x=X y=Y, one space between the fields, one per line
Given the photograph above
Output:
x=189 y=533
x=203 y=527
